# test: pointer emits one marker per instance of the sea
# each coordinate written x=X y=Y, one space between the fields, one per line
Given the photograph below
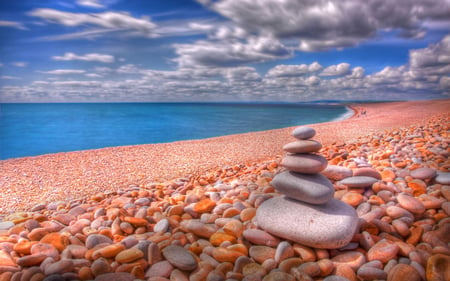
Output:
x=31 y=129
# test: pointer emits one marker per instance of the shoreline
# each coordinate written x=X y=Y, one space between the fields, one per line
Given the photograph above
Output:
x=74 y=175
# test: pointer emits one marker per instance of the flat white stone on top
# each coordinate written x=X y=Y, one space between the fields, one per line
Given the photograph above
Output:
x=303 y=133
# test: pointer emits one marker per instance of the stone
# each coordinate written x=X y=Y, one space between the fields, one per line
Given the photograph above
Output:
x=260 y=237
x=180 y=258
x=116 y=276
x=354 y=259
x=56 y=239
x=5 y=259
x=278 y=276
x=95 y=239
x=129 y=255
x=337 y=173
x=161 y=226
x=204 y=206
x=438 y=267
x=303 y=133
x=329 y=226
x=442 y=178
x=310 y=188
x=410 y=203
x=367 y=172
x=159 y=269
x=5 y=225
x=261 y=253
x=219 y=237
x=384 y=250
x=302 y=146
x=400 y=271
x=359 y=181
x=304 y=163
x=423 y=173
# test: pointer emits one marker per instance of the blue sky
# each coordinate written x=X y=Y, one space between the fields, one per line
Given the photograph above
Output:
x=224 y=50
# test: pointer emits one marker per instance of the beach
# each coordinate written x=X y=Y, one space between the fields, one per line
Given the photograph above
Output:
x=28 y=181
x=170 y=180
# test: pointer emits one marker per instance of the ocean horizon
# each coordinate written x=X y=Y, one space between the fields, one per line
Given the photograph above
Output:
x=32 y=129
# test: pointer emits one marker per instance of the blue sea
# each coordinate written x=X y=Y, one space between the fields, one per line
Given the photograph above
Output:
x=35 y=129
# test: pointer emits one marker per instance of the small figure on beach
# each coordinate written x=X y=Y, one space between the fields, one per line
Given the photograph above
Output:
x=307 y=213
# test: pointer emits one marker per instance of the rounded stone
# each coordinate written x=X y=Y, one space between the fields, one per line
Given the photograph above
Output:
x=336 y=173
x=423 y=173
x=400 y=271
x=438 y=267
x=367 y=172
x=384 y=250
x=329 y=226
x=260 y=237
x=303 y=133
x=304 y=163
x=129 y=255
x=95 y=239
x=443 y=178
x=116 y=276
x=302 y=146
x=310 y=188
x=410 y=203
x=358 y=181
x=180 y=258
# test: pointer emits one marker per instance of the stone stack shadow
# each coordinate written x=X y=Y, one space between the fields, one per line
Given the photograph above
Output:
x=307 y=213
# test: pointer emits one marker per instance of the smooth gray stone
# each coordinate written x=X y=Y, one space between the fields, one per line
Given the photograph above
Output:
x=304 y=163
x=310 y=188
x=423 y=173
x=359 y=181
x=302 y=146
x=443 y=178
x=328 y=226
x=303 y=133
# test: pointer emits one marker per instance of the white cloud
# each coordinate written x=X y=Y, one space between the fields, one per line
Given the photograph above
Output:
x=110 y=21
x=432 y=56
x=230 y=53
x=324 y=24
x=20 y=64
x=87 y=57
x=336 y=70
x=90 y=3
x=13 y=24
x=64 y=71
x=293 y=70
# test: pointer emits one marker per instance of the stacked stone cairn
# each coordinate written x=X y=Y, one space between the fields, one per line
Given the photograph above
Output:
x=307 y=213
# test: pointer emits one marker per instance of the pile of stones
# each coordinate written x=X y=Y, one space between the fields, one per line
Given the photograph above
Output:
x=307 y=213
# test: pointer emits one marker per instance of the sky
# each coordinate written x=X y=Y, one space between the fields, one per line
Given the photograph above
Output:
x=224 y=50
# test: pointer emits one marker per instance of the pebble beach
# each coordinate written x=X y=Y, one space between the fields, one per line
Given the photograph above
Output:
x=187 y=210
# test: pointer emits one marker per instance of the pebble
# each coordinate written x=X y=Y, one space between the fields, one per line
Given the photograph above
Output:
x=304 y=163
x=310 y=188
x=329 y=226
x=302 y=146
x=423 y=173
x=337 y=173
x=358 y=181
x=384 y=250
x=443 y=178
x=410 y=203
x=438 y=267
x=180 y=258
x=367 y=172
x=260 y=237
x=303 y=133
x=400 y=271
